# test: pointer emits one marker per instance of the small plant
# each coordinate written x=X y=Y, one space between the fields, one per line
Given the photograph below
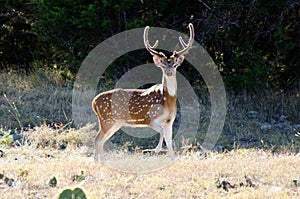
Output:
x=6 y=138
x=78 y=178
x=53 y=182
x=75 y=194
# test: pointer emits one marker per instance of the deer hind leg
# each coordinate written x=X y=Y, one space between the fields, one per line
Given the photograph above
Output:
x=168 y=140
x=99 y=145
x=101 y=138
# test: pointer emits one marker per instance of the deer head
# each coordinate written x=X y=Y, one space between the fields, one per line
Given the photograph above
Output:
x=169 y=64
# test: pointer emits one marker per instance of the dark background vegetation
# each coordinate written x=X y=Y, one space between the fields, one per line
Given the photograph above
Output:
x=254 y=43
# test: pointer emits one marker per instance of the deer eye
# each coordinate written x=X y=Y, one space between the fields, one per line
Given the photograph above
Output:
x=173 y=62
x=163 y=60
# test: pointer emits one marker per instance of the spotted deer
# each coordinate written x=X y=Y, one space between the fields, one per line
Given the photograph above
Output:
x=154 y=107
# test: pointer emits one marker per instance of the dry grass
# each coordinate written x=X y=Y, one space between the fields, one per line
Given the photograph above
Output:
x=191 y=176
x=59 y=137
x=42 y=98
x=38 y=98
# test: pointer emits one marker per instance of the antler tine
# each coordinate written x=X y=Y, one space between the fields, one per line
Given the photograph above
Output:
x=186 y=46
x=147 y=45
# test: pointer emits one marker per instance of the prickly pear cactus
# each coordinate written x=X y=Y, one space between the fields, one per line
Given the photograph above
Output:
x=75 y=194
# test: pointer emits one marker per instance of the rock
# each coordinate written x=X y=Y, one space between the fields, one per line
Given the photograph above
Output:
x=282 y=118
x=252 y=114
x=9 y=181
x=297 y=126
x=273 y=121
x=266 y=127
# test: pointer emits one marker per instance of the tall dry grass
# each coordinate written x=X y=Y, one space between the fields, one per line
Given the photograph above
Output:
x=265 y=118
x=39 y=97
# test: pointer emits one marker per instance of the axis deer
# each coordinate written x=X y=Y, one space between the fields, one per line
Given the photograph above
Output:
x=154 y=107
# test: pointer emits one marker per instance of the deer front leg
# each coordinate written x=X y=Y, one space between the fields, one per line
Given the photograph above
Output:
x=168 y=140
x=155 y=126
x=161 y=139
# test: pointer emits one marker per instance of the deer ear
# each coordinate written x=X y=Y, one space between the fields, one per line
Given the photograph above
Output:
x=180 y=59
x=156 y=60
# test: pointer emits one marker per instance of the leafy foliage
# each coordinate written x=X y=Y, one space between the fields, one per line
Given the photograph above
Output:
x=6 y=138
x=77 y=193
x=254 y=43
x=18 y=42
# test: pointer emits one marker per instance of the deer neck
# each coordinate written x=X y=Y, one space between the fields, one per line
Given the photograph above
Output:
x=170 y=84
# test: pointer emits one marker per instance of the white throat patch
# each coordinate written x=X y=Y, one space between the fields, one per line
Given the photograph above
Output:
x=171 y=85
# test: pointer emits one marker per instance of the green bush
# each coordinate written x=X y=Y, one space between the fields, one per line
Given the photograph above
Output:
x=6 y=139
